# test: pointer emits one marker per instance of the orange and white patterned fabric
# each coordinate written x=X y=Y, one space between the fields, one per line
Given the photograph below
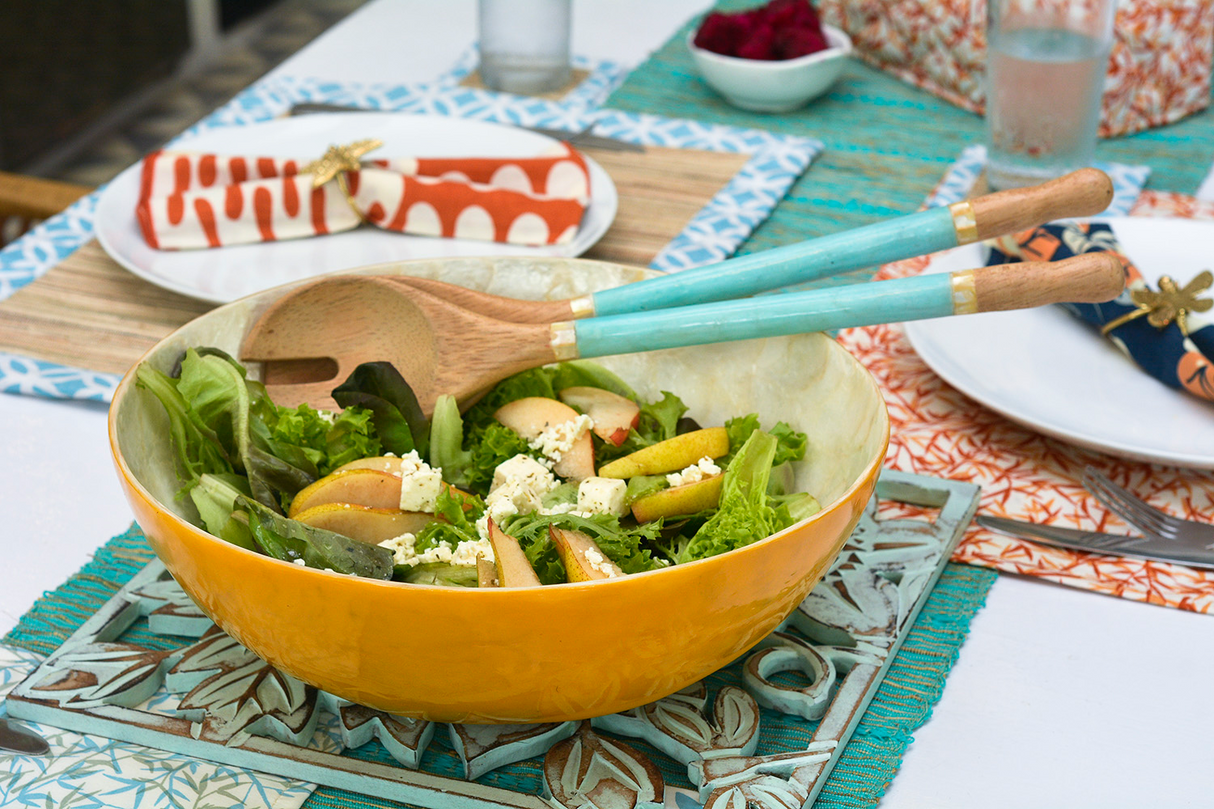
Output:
x=1159 y=68
x=190 y=200
x=935 y=430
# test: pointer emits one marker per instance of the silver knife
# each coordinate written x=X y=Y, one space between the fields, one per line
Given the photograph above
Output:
x=1136 y=547
x=583 y=138
x=14 y=739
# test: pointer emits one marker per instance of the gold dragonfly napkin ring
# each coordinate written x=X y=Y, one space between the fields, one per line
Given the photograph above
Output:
x=334 y=164
x=1170 y=303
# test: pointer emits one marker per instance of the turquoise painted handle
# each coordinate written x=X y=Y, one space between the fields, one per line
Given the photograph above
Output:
x=1086 y=278
x=868 y=246
x=915 y=298
x=1080 y=193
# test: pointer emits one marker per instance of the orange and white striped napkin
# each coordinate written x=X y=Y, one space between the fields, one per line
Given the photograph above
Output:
x=190 y=200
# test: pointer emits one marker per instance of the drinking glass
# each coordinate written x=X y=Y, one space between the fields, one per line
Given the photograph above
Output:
x=524 y=44
x=1045 y=70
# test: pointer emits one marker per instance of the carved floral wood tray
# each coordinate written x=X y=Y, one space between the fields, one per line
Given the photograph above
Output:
x=810 y=681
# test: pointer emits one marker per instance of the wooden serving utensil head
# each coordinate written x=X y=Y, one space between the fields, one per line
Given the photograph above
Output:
x=313 y=337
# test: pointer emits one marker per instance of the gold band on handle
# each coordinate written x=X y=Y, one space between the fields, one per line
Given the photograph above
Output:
x=564 y=340
x=582 y=307
x=965 y=221
x=965 y=293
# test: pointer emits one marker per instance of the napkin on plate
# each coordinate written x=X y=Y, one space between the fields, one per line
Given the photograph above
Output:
x=1167 y=331
x=190 y=200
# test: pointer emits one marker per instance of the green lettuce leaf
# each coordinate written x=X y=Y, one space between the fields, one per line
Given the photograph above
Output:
x=744 y=515
x=290 y=540
x=440 y=573
x=586 y=373
x=790 y=444
x=488 y=447
x=399 y=422
x=459 y=512
x=447 y=441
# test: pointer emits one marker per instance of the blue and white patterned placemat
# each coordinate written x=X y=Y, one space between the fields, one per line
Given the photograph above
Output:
x=1128 y=181
x=712 y=235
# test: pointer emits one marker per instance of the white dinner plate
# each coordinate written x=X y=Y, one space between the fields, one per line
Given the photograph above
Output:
x=227 y=273
x=1049 y=371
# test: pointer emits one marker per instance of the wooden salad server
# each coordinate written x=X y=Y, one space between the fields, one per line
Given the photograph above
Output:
x=1080 y=193
x=313 y=337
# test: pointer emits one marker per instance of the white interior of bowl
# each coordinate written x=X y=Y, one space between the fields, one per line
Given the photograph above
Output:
x=807 y=380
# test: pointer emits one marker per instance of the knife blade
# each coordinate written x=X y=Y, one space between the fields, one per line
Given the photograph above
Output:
x=584 y=138
x=1136 y=547
x=16 y=739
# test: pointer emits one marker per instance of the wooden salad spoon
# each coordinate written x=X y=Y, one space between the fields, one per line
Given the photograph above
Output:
x=1080 y=193
x=313 y=337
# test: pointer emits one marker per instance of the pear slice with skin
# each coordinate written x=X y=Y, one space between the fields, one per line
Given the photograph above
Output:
x=370 y=525
x=363 y=487
x=582 y=557
x=532 y=415
x=677 y=500
x=512 y=567
x=486 y=573
x=671 y=455
x=614 y=415
x=381 y=463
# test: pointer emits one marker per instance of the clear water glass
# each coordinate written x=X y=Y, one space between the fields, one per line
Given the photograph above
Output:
x=1045 y=75
x=524 y=44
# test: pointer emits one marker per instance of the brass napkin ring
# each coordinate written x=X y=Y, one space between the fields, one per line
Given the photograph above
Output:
x=336 y=162
x=1168 y=304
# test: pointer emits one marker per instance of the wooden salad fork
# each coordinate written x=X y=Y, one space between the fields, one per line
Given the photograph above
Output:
x=1080 y=193
x=317 y=334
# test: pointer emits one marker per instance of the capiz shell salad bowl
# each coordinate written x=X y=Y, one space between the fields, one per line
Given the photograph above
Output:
x=535 y=654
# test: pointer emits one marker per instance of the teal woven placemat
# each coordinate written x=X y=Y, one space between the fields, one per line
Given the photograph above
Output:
x=869 y=762
x=887 y=143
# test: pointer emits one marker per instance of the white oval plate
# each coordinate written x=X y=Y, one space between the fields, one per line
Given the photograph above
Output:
x=1049 y=371
x=224 y=274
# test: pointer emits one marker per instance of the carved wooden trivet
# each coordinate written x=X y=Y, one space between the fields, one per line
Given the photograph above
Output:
x=235 y=709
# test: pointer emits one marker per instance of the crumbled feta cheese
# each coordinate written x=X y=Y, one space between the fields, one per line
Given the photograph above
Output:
x=558 y=439
x=599 y=563
x=419 y=484
x=404 y=551
x=300 y=562
x=703 y=468
x=519 y=485
x=602 y=496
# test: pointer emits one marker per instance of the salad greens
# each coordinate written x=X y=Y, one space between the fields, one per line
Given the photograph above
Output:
x=242 y=461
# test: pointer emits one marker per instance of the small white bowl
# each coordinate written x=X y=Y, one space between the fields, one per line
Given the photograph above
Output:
x=773 y=86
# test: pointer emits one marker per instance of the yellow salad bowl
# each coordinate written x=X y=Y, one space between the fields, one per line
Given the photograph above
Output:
x=542 y=654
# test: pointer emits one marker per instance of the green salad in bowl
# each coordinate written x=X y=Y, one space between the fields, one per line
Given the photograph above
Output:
x=558 y=474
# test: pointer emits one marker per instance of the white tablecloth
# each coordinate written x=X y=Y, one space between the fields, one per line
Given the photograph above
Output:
x=1060 y=698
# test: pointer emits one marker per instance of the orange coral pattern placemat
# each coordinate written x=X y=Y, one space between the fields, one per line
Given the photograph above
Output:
x=936 y=430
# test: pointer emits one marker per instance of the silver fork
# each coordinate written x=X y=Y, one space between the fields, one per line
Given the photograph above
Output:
x=1144 y=517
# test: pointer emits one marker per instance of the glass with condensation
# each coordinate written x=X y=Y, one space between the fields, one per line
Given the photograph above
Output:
x=524 y=45
x=1046 y=67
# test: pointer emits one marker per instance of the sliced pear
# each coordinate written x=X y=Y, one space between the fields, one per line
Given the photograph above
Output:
x=372 y=525
x=509 y=561
x=532 y=415
x=380 y=463
x=686 y=499
x=583 y=559
x=670 y=455
x=361 y=487
x=486 y=573
x=614 y=415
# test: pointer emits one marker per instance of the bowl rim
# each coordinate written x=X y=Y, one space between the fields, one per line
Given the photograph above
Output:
x=840 y=46
x=127 y=384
